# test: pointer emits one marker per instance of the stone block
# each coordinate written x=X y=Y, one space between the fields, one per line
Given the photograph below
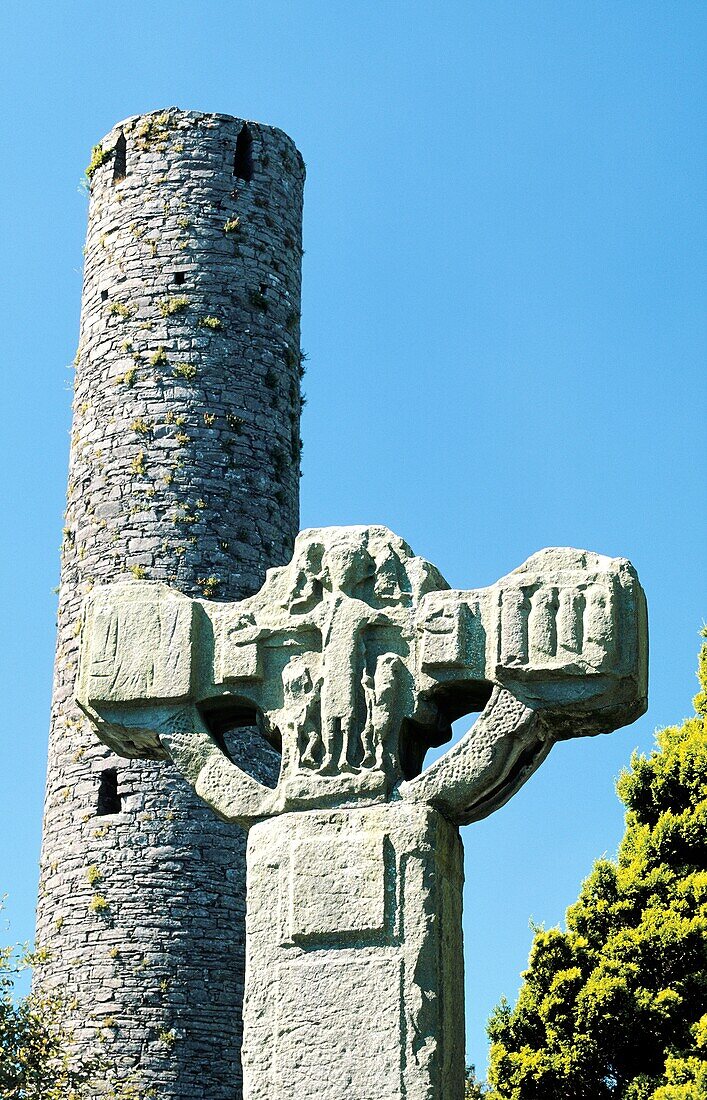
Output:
x=354 y=984
x=336 y=886
x=115 y=668
x=354 y=659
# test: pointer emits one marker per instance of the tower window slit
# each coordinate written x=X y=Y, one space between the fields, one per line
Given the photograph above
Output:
x=120 y=159
x=109 y=800
x=243 y=159
x=179 y=277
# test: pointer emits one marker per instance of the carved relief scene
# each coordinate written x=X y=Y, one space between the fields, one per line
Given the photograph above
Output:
x=356 y=658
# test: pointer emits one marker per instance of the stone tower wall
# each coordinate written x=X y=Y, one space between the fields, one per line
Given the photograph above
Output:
x=184 y=468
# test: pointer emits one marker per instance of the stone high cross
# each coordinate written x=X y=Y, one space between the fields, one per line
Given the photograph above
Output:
x=353 y=661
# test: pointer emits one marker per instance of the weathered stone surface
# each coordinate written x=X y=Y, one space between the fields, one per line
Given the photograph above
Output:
x=355 y=659
x=354 y=987
x=184 y=468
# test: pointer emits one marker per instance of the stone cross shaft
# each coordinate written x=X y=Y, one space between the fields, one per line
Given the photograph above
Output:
x=354 y=660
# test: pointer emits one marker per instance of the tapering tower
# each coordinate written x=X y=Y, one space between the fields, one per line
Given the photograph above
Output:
x=184 y=468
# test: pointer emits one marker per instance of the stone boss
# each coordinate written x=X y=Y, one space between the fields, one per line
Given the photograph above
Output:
x=353 y=661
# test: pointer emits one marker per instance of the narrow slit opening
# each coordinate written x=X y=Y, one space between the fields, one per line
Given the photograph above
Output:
x=179 y=277
x=120 y=160
x=109 y=799
x=104 y=295
x=243 y=159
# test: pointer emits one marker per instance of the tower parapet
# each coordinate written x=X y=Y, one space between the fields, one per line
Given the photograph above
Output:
x=184 y=468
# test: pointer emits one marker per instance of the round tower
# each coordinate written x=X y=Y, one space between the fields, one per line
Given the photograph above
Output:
x=184 y=468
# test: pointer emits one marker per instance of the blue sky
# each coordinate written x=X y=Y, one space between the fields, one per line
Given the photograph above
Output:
x=502 y=287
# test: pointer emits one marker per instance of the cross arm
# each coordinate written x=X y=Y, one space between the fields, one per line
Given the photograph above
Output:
x=147 y=664
x=565 y=632
x=560 y=643
x=556 y=649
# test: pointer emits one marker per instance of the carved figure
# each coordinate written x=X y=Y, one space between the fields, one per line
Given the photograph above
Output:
x=356 y=659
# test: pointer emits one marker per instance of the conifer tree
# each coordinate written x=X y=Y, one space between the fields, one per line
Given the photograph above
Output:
x=615 y=1007
x=474 y=1089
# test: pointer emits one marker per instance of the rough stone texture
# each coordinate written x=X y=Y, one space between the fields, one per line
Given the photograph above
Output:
x=355 y=659
x=184 y=468
x=354 y=987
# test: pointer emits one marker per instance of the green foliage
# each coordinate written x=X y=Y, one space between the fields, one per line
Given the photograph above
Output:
x=119 y=309
x=93 y=875
x=210 y=322
x=137 y=464
x=174 y=304
x=185 y=370
x=473 y=1088
x=154 y=131
x=37 y=1061
x=158 y=357
x=209 y=585
x=99 y=156
x=616 y=1005
x=128 y=377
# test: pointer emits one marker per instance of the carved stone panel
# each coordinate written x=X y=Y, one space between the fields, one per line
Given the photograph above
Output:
x=354 y=982
x=337 y=886
x=355 y=659
x=333 y=1039
x=139 y=648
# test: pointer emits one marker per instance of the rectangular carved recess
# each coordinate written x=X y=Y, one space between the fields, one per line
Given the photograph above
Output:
x=337 y=887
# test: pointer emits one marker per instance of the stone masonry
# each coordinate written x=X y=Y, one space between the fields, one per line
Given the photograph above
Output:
x=354 y=659
x=184 y=469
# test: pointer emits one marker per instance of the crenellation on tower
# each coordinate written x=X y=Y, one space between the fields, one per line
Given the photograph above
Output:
x=184 y=468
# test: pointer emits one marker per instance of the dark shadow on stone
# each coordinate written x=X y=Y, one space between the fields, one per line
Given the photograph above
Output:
x=243 y=159
x=120 y=163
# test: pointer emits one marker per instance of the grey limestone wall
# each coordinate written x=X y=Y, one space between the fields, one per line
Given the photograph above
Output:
x=184 y=468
